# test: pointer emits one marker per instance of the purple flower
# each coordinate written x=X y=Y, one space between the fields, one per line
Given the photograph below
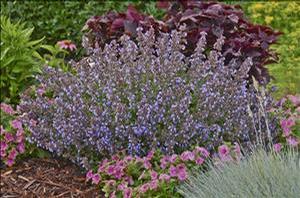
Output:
x=295 y=99
x=9 y=162
x=182 y=173
x=110 y=170
x=153 y=175
x=2 y=153
x=13 y=154
x=147 y=164
x=277 y=147
x=173 y=158
x=286 y=125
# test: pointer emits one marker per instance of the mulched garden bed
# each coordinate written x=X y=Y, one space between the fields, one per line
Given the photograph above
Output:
x=45 y=178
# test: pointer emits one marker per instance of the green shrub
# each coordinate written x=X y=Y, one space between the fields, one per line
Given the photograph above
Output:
x=260 y=175
x=60 y=20
x=18 y=62
x=283 y=16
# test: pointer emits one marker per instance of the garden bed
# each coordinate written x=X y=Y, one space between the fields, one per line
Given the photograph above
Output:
x=46 y=178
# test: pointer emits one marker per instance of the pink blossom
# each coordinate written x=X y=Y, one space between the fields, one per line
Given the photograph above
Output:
x=173 y=171
x=286 y=126
x=150 y=155
x=199 y=160
x=122 y=186
x=9 y=162
x=173 y=158
x=110 y=170
x=295 y=99
x=96 y=178
x=144 y=188
x=292 y=141
x=154 y=184
x=89 y=175
x=20 y=132
x=202 y=150
x=8 y=137
x=16 y=124
x=182 y=174
x=277 y=147
x=147 y=164
x=3 y=146
x=165 y=177
x=223 y=151
x=13 y=154
x=115 y=157
x=154 y=175
x=113 y=195
x=21 y=147
x=66 y=44
x=2 y=153
x=7 y=109
x=187 y=155
x=19 y=138
x=127 y=193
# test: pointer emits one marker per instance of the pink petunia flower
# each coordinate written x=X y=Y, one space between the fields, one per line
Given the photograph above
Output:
x=66 y=44
x=122 y=186
x=150 y=155
x=127 y=193
x=153 y=175
x=9 y=162
x=187 y=155
x=165 y=177
x=147 y=164
x=13 y=154
x=294 y=99
x=154 y=184
x=277 y=147
x=173 y=158
x=96 y=178
x=20 y=132
x=173 y=171
x=182 y=174
x=7 y=109
x=199 y=160
x=16 y=124
x=3 y=146
x=286 y=125
x=292 y=141
x=21 y=147
x=223 y=151
x=110 y=170
x=2 y=153
x=89 y=175
x=202 y=150
x=144 y=188
x=8 y=137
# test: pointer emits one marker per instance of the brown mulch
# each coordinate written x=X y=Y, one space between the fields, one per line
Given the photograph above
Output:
x=45 y=178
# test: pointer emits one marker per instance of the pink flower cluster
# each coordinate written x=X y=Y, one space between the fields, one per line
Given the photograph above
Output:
x=290 y=120
x=133 y=176
x=12 y=137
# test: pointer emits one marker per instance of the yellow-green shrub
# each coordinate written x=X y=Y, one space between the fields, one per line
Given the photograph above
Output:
x=283 y=16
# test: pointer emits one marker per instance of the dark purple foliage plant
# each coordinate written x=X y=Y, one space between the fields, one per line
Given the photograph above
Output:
x=140 y=95
x=243 y=39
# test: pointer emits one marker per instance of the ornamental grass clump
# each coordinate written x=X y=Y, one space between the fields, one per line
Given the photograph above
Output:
x=261 y=174
x=140 y=96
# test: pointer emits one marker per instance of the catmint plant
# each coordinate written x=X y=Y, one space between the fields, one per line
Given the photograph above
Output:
x=139 y=95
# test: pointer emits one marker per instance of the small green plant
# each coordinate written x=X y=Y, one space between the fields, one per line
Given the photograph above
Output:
x=18 y=62
x=260 y=175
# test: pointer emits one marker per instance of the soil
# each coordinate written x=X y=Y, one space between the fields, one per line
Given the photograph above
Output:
x=45 y=178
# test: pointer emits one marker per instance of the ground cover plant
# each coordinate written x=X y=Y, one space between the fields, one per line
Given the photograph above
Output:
x=262 y=174
x=141 y=96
